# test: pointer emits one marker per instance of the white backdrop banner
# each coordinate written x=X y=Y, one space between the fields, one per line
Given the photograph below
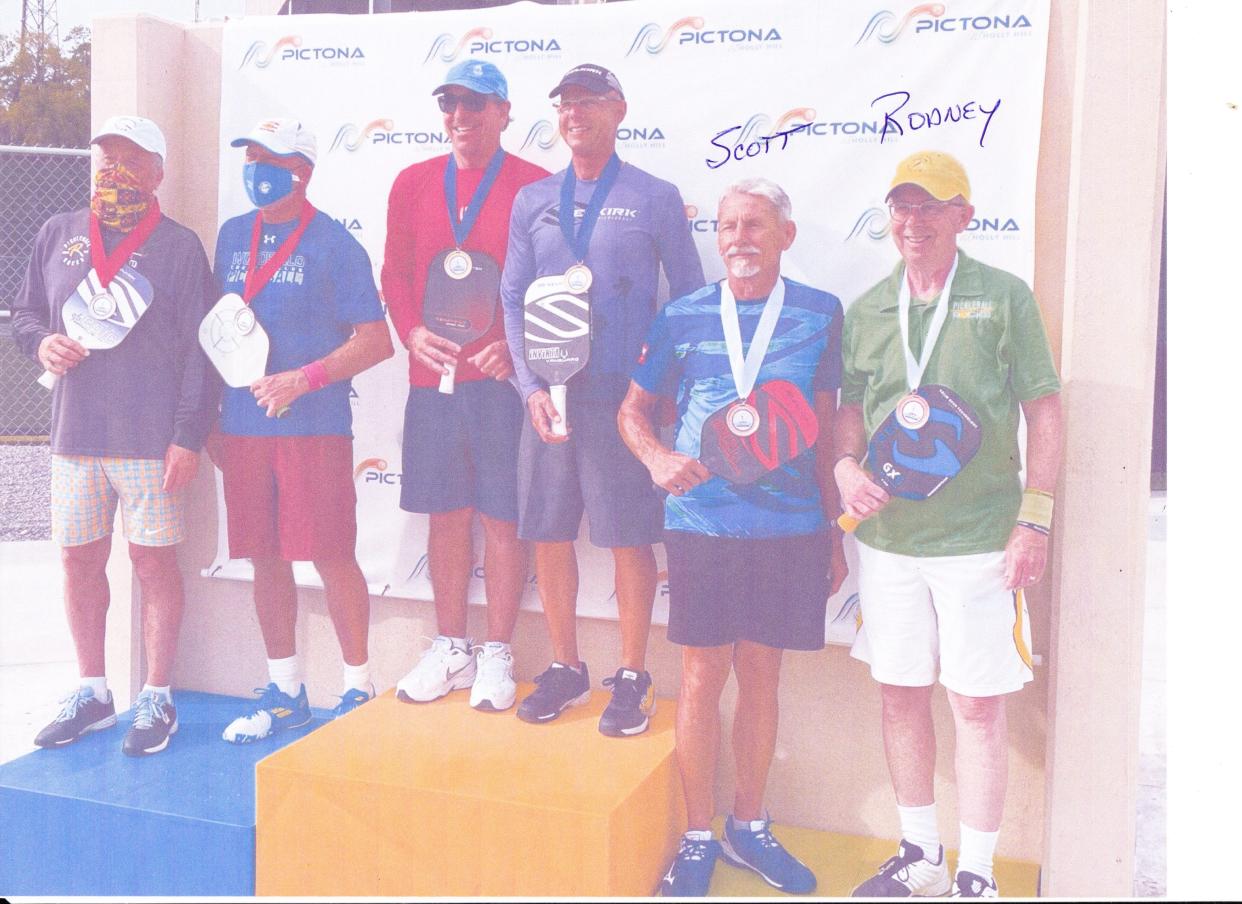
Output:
x=824 y=98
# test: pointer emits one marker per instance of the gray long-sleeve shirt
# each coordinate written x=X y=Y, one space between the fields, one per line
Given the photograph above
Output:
x=156 y=387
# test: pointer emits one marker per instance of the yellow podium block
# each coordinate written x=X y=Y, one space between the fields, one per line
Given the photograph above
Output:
x=438 y=799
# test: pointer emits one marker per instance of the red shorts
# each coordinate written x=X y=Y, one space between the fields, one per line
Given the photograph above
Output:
x=290 y=497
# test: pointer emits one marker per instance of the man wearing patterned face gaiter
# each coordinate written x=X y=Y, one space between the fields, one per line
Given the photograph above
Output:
x=127 y=422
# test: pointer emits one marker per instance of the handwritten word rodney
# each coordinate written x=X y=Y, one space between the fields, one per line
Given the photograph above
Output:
x=761 y=145
x=930 y=118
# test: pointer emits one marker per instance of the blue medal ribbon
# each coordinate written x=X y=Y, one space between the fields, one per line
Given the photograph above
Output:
x=579 y=242
x=461 y=228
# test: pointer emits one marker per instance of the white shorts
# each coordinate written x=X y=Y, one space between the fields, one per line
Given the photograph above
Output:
x=951 y=610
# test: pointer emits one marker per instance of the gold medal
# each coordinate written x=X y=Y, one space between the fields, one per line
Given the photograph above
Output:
x=742 y=418
x=458 y=264
x=578 y=278
x=912 y=411
x=102 y=306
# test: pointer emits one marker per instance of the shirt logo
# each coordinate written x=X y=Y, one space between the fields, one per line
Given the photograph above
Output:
x=269 y=240
x=642 y=354
x=74 y=251
x=972 y=310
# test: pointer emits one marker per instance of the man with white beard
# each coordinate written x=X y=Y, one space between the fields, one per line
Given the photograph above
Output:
x=750 y=564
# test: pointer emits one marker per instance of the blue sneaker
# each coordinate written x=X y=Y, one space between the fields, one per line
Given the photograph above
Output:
x=351 y=700
x=752 y=846
x=274 y=711
x=691 y=871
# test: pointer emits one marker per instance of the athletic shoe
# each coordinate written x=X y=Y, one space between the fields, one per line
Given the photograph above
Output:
x=443 y=668
x=691 y=871
x=494 y=689
x=351 y=700
x=274 y=711
x=81 y=712
x=633 y=700
x=908 y=874
x=968 y=885
x=752 y=846
x=559 y=687
x=155 y=721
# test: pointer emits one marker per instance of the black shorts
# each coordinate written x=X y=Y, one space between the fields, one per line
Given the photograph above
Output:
x=771 y=591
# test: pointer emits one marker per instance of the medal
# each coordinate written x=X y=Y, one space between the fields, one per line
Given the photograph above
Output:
x=742 y=418
x=579 y=278
x=244 y=321
x=102 y=306
x=458 y=264
x=912 y=411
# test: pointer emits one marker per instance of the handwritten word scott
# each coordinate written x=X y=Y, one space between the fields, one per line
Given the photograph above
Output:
x=761 y=145
x=930 y=118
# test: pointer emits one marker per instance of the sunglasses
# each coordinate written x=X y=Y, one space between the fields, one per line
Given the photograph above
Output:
x=471 y=102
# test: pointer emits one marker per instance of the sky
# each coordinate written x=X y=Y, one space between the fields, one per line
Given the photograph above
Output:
x=72 y=13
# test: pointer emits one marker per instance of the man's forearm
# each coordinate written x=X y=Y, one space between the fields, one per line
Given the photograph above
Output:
x=634 y=424
x=1043 y=442
x=368 y=346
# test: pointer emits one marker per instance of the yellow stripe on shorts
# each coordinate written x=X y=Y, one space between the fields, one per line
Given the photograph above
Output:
x=1019 y=640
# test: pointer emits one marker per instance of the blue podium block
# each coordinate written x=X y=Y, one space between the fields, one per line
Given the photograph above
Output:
x=87 y=820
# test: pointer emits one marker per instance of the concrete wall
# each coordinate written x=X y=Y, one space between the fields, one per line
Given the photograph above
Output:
x=1074 y=739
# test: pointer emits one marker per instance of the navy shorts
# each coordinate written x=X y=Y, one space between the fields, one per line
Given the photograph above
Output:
x=461 y=450
x=595 y=471
x=772 y=591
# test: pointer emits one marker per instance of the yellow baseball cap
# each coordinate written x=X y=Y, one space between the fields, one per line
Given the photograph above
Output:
x=941 y=175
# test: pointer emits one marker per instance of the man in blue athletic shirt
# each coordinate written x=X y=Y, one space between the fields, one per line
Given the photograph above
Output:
x=286 y=444
x=636 y=226
x=750 y=565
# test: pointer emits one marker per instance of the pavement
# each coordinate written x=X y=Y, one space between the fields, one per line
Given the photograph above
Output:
x=37 y=666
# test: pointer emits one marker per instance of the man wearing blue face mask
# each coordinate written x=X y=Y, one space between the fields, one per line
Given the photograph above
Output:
x=288 y=481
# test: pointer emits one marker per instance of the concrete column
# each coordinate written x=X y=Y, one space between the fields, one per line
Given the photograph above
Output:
x=1116 y=162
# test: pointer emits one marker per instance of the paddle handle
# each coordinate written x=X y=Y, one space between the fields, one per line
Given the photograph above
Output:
x=448 y=380
x=48 y=380
x=848 y=523
x=561 y=427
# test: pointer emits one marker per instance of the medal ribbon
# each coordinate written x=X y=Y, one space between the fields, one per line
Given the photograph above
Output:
x=256 y=281
x=915 y=369
x=746 y=368
x=107 y=265
x=579 y=242
x=461 y=228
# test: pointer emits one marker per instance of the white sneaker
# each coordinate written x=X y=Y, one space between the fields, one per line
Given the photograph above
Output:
x=494 y=688
x=444 y=668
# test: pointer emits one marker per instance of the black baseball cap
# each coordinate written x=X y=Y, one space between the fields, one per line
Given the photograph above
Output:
x=590 y=76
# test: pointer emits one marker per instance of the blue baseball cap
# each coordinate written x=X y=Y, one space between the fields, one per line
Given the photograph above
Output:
x=479 y=76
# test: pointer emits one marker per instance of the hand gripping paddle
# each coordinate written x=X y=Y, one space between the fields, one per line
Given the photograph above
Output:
x=915 y=462
x=558 y=337
x=98 y=317
x=741 y=449
x=235 y=342
x=460 y=300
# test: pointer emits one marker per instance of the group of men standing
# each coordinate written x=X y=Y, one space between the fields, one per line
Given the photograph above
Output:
x=751 y=563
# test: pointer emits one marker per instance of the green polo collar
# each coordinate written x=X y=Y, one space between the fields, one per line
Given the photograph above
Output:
x=967 y=282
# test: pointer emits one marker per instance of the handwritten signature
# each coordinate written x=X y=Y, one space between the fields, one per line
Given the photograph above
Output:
x=761 y=145
x=933 y=117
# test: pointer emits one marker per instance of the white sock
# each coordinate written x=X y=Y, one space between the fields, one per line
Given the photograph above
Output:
x=750 y=825
x=698 y=835
x=497 y=646
x=459 y=643
x=976 y=852
x=358 y=678
x=165 y=692
x=286 y=674
x=918 y=826
x=98 y=686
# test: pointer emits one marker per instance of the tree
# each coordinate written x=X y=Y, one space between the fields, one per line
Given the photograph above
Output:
x=45 y=90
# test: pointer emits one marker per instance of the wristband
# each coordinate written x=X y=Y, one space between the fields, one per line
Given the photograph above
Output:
x=1036 y=510
x=316 y=375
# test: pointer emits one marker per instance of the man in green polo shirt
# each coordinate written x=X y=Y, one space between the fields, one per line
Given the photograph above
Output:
x=941 y=580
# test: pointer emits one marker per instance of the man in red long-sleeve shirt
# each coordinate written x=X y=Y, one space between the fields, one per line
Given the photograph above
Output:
x=460 y=449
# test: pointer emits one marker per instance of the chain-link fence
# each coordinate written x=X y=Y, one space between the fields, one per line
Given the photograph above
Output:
x=37 y=183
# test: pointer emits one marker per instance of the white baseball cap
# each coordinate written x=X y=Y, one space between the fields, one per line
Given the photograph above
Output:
x=282 y=137
x=142 y=132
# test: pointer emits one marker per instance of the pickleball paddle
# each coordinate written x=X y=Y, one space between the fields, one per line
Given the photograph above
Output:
x=742 y=445
x=558 y=337
x=460 y=300
x=915 y=462
x=235 y=343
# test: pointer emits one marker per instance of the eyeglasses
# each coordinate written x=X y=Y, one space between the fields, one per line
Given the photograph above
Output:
x=928 y=209
x=472 y=102
x=583 y=104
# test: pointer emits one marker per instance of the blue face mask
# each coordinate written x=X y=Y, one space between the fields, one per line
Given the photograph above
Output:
x=267 y=183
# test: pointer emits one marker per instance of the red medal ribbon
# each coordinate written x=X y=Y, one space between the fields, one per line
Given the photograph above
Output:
x=256 y=281
x=107 y=265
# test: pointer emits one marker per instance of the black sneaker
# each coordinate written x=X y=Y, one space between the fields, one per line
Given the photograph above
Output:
x=970 y=885
x=559 y=687
x=633 y=701
x=155 y=721
x=82 y=712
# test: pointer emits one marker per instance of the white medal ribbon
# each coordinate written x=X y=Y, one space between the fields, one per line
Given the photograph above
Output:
x=746 y=368
x=915 y=369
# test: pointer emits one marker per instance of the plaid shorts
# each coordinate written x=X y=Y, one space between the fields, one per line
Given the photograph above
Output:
x=85 y=490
